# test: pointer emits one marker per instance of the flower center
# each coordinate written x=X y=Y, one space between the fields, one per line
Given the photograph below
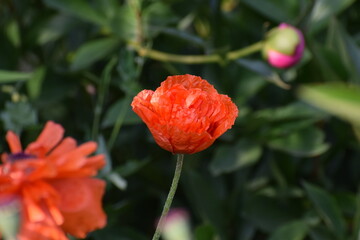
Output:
x=14 y=157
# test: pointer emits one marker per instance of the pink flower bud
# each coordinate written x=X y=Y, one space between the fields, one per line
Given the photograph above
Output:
x=284 y=46
x=9 y=215
x=176 y=225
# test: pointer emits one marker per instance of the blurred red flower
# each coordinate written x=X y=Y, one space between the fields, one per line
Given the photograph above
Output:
x=185 y=114
x=52 y=179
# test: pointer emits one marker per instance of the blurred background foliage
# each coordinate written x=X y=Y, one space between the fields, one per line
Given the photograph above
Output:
x=288 y=169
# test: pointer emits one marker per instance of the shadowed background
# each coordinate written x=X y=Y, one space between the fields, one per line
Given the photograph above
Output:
x=288 y=169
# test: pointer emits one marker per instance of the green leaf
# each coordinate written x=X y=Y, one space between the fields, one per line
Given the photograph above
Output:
x=114 y=111
x=270 y=9
x=103 y=89
x=324 y=10
x=107 y=7
x=125 y=23
x=55 y=28
x=117 y=180
x=268 y=213
x=35 y=82
x=279 y=122
x=122 y=115
x=18 y=115
x=205 y=232
x=13 y=33
x=348 y=50
x=128 y=69
x=346 y=201
x=256 y=66
x=181 y=34
x=231 y=158
x=12 y=76
x=104 y=151
x=264 y=70
x=306 y=142
x=328 y=209
x=248 y=89
x=131 y=167
x=334 y=65
x=93 y=51
x=295 y=111
x=338 y=99
x=79 y=8
x=295 y=230
x=157 y=15
x=327 y=62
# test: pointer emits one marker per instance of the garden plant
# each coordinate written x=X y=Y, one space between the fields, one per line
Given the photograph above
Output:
x=180 y=120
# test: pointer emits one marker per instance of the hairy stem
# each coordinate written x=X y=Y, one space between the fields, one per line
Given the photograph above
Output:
x=170 y=197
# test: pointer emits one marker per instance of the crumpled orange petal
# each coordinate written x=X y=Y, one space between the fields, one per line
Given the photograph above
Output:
x=66 y=145
x=41 y=218
x=47 y=140
x=185 y=114
x=81 y=209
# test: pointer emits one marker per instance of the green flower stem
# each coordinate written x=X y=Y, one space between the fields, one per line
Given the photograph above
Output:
x=196 y=59
x=170 y=197
x=119 y=121
x=242 y=52
x=103 y=88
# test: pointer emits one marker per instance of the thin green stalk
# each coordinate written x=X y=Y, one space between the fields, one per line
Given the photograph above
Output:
x=119 y=121
x=242 y=52
x=168 y=57
x=275 y=79
x=103 y=87
x=170 y=197
x=196 y=59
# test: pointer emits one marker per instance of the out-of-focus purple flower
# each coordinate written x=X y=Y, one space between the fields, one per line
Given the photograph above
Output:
x=284 y=46
x=176 y=225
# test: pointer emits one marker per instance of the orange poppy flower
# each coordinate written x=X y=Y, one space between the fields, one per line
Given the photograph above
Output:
x=185 y=114
x=52 y=179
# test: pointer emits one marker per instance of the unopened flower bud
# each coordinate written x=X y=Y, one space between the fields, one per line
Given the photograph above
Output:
x=176 y=225
x=284 y=46
x=9 y=216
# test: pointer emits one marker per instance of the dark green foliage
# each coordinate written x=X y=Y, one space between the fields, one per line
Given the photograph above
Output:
x=289 y=169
